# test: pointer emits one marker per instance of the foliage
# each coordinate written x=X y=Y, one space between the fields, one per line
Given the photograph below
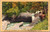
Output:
x=12 y=11
x=25 y=9
x=6 y=6
x=9 y=7
x=41 y=25
x=20 y=6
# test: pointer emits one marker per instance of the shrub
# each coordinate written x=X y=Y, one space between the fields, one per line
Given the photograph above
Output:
x=6 y=6
x=41 y=25
x=12 y=11
x=25 y=9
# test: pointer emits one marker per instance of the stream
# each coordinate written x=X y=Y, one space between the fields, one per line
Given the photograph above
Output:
x=12 y=24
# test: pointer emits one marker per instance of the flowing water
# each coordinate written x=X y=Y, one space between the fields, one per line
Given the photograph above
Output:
x=12 y=24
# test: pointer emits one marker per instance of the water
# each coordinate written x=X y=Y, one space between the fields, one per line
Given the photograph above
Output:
x=12 y=24
x=26 y=23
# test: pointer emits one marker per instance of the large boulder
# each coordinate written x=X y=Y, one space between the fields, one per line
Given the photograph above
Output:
x=25 y=14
